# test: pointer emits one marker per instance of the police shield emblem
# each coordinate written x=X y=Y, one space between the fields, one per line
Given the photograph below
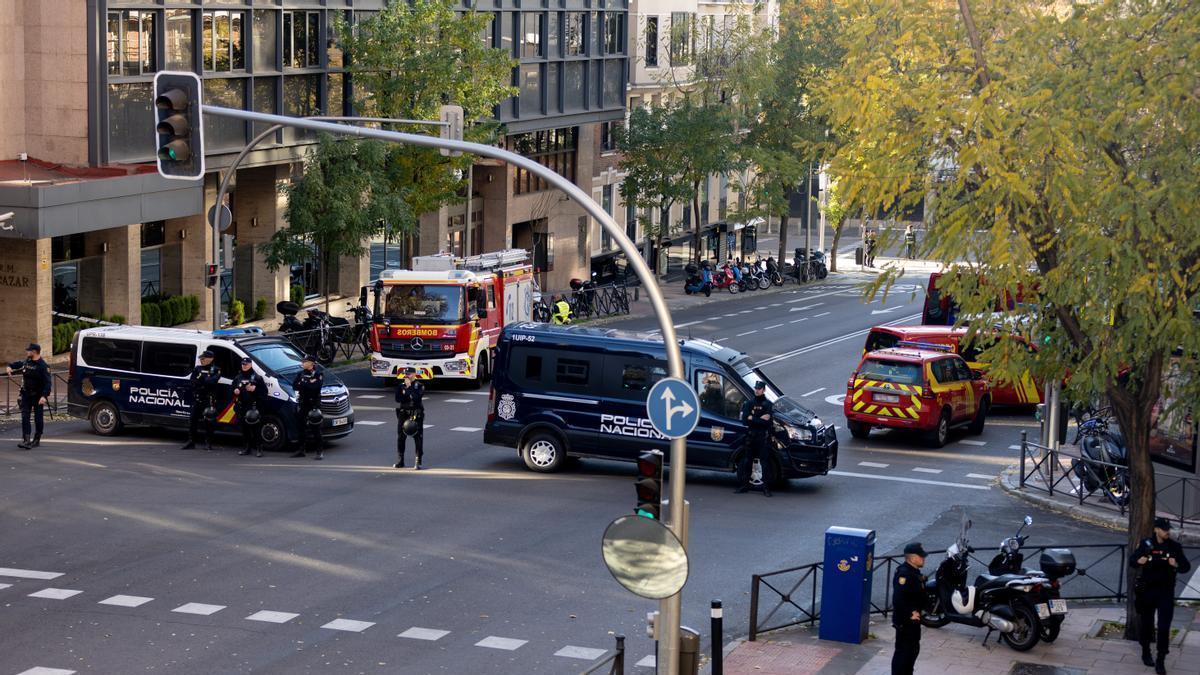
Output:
x=116 y=385
x=717 y=433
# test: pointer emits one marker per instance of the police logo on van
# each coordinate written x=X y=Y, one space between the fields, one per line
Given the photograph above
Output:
x=717 y=433
x=116 y=385
x=507 y=407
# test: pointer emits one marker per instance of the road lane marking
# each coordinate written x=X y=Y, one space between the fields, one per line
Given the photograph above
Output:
x=759 y=309
x=921 y=469
x=349 y=625
x=729 y=316
x=1014 y=447
x=646 y=662
x=55 y=593
x=457 y=400
x=3 y=586
x=198 y=608
x=43 y=670
x=28 y=574
x=582 y=653
x=821 y=315
x=429 y=634
x=981 y=476
x=901 y=479
x=507 y=644
x=369 y=396
x=465 y=429
x=749 y=332
x=368 y=423
x=874 y=465
x=689 y=323
x=778 y=325
x=269 y=616
x=969 y=442
x=745 y=311
x=831 y=341
x=125 y=601
x=721 y=339
x=799 y=320
x=776 y=304
x=814 y=391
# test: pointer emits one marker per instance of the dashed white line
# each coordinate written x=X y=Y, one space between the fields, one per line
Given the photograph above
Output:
x=759 y=309
x=55 y=593
x=749 y=332
x=125 y=601
x=349 y=625
x=28 y=574
x=821 y=315
x=465 y=429
x=198 y=608
x=42 y=670
x=874 y=465
x=902 y=479
x=457 y=400
x=507 y=644
x=921 y=469
x=729 y=316
x=368 y=423
x=721 y=339
x=776 y=304
x=814 y=391
x=1014 y=447
x=745 y=311
x=970 y=442
x=418 y=633
x=269 y=616
x=582 y=653
x=689 y=323
x=981 y=476
x=778 y=325
x=799 y=320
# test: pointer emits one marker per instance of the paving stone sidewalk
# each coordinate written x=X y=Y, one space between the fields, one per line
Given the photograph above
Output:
x=958 y=649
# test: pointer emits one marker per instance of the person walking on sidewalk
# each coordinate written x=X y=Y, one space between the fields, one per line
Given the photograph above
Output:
x=908 y=589
x=1160 y=559
x=35 y=391
x=871 y=243
x=910 y=242
x=410 y=418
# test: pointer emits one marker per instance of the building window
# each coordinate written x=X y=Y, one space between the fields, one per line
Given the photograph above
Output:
x=575 y=76
x=552 y=97
x=531 y=89
x=301 y=98
x=573 y=33
x=265 y=32
x=301 y=39
x=614 y=36
x=224 y=133
x=614 y=81
x=554 y=148
x=552 y=41
x=306 y=277
x=506 y=31
x=606 y=201
x=336 y=95
x=132 y=42
x=224 y=41
x=333 y=48
x=531 y=34
x=681 y=38
x=153 y=238
x=129 y=117
x=608 y=140
x=652 y=42
x=264 y=100
x=179 y=40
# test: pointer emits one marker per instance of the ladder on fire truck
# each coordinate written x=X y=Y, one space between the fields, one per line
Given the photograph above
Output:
x=484 y=262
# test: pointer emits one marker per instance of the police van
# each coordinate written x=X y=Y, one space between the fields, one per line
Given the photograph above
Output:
x=575 y=391
x=140 y=375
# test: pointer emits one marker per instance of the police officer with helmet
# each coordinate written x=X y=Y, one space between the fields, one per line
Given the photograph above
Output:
x=908 y=593
x=35 y=391
x=249 y=390
x=1160 y=559
x=757 y=413
x=307 y=384
x=204 y=381
x=410 y=417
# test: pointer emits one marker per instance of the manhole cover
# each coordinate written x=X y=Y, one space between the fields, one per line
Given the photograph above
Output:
x=1021 y=668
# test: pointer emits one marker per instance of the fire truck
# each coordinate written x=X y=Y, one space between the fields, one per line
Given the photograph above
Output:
x=443 y=317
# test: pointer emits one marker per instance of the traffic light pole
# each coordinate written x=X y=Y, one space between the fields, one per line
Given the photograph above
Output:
x=671 y=606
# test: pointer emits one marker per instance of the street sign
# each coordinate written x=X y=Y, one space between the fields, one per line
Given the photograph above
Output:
x=645 y=557
x=226 y=217
x=673 y=408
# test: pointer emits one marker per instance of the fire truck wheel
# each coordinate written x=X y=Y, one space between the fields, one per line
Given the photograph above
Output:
x=483 y=372
x=859 y=430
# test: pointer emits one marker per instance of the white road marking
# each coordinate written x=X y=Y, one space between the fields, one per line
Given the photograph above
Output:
x=198 y=608
x=125 y=601
x=1014 y=447
x=349 y=625
x=835 y=399
x=3 y=586
x=821 y=315
x=721 y=339
x=55 y=593
x=778 y=325
x=368 y=423
x=430 y=634
x=981 y=476
x=775 y=304
x=874 y=465
x=269 y=616
x=465 y=429
x=646 y=662
x=689 y=323
x=42 y=670
x=921 y=469
x=799 y=320
x=900 y=479
x=474 y=393
x=970 y=442
x=582 y=653
x=1192 y=590
x=759 y=309
x=745 y=311
x=28 y=574
x=729 y=316
x=831 y=341
x=428 y=426
x=369 y=396
x=814 y=391
x=457 y=400
x=749 y=332
x=507 y=644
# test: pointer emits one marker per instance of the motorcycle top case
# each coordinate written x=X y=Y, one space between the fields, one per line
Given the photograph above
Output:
x=1057 y=562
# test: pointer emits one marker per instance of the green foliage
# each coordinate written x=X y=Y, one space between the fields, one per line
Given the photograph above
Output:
x=63 y=332
x=296 y=294
x=151 y=314
x=260 y=309
x=193 y=307
x=237 y=312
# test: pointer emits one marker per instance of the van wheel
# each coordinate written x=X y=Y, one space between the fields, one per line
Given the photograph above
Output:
x=543 y=452
x=980 y=418
x=858 y=429
x=272 y=434
x=936 y=438
x=105 y=419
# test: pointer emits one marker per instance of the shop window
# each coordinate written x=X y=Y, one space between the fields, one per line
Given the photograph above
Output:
x=224 y=41
x=132 y=46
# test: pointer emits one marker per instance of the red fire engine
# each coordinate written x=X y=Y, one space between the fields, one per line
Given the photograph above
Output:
x=443 y=317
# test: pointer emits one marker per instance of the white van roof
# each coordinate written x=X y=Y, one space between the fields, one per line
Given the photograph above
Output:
x=152 y=333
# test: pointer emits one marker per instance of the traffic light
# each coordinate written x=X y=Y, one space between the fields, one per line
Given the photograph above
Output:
x=179 y=126
x=649 y=484
x=211 y=274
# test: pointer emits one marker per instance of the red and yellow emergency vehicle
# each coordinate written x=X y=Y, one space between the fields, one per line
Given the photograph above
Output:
x=443 y=317
x=917 y=386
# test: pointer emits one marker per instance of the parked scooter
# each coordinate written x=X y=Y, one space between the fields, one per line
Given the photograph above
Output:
x=1100 y=440
x=1003 y=603
x=726 y=279
x=1055 y=564
x=774 y=274
x=810 y=264
x=699 y=280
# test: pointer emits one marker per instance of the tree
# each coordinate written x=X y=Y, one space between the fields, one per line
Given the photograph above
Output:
x=1059 y=145
x=335 y=206
x=835 y=214
x=652 y=167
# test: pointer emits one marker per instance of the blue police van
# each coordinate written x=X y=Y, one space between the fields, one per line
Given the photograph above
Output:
x=139 y=375
x=575 y=391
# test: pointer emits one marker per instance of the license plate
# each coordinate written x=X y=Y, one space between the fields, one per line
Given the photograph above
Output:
x=1058 y=606
x=887 y=398
x=341 y=421
x=1043 y=611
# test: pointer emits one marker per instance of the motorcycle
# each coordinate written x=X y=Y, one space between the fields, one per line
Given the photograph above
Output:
x=809 y=264
x=1055 y=564
x=1003 y=603
x=726 y=279
x=698 y=280
x=312 y=336
x=751 y=277
x=1102 y=442
x=583 y=296
x=774 y=275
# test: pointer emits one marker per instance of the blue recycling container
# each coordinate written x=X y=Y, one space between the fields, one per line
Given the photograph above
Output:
x=846 y=587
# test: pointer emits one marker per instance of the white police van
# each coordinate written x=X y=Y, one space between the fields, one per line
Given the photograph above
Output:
x=140 y=375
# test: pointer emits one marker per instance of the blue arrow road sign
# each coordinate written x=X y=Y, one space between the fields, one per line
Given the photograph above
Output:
x=673 y=408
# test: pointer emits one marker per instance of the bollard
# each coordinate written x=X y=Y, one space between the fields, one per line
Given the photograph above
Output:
x=718 y=639
x=689 y=651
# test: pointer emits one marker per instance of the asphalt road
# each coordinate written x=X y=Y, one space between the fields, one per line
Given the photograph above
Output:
x=194 y=562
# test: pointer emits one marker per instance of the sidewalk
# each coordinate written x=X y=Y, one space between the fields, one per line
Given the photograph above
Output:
x=957 y=649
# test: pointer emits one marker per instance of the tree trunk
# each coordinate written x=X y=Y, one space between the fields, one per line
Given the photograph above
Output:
x=783 y=242
x=325 y=279
x=837 y=236
x=696 y=223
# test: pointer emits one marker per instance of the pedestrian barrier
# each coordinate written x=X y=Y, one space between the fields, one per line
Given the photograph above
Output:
x=1060 y=471
x=586 y=303
x=345 y=341
x=615 y=661
x=1099 y=575
x=56 y=402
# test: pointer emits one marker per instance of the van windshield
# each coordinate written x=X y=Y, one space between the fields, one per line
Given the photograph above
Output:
x=424 y=303
x=276 y=357
x=899 y=372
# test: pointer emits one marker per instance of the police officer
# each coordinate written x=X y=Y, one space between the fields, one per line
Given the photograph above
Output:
x=1160 y=558
x=307 y=384
x=35 y=391
x=249 y=390
x=410 y=411
x=757 y=413
x=204 y=384
x=908 y=591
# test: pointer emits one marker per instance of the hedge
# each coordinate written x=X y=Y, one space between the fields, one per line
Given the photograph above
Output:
x=237 y=312
x=260 y=309
x=172 y=311
x=62 y=333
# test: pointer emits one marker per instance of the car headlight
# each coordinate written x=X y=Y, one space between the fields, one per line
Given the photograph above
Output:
x=799 y=433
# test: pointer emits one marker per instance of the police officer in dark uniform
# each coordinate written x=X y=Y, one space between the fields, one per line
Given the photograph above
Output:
x=410 y=412
x=249 y=390
x=1160 y=558
x=35 y=391
x=204 y=381
x=757 y=413
x=908 y=593
x=307 y=384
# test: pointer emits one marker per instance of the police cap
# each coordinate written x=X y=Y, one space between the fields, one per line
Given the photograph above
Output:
x=915 y=548
x=309 y=358
x=207 y=354
x=33 y=347
x=246 y=361
x=760 y=385
x=410 y=371
x=1162 y=524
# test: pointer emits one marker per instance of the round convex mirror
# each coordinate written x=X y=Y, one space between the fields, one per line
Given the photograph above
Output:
x=645 y=557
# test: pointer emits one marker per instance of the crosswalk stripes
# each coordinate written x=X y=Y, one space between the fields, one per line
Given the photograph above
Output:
x=28 y=574
x=369 y=423
x=429 y=634
x=349 y=625
x=582 y=653
x=465 y=429
x=981 y=476
x=55 y=593
x=507 y=644
x=198 y=608
x=42 y=670
x=268 y=616
x=125 y=601
x=647 y=662
x=967 y=441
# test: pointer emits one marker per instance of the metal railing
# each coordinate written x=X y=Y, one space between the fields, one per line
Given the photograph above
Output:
x=346 y=341
x=614 y=661
x=1067 y=473
x=1099 y=575
x=589 y=303
x=56 y=402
